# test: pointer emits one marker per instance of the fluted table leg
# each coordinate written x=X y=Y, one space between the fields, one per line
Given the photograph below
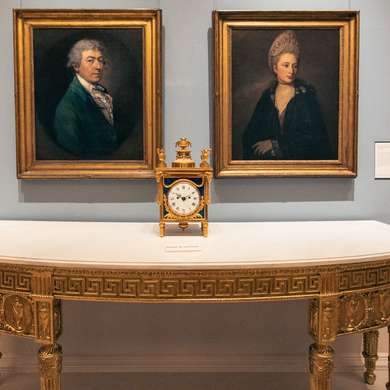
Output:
x=388 y=364
x=321 y=365
x=50 y=362
x=370 y=354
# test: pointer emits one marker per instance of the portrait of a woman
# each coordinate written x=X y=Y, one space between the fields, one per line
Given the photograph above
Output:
x=287 y=122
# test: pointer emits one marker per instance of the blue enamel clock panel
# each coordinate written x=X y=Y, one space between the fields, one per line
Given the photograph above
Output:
x=198 y=181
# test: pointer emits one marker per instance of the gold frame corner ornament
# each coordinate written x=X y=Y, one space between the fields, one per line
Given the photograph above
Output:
x=347 y=23
x=25 y=22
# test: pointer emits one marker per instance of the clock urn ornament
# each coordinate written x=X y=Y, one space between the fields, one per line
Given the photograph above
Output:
x=183 y=190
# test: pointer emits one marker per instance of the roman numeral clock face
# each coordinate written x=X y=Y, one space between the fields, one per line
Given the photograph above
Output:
x=183 y=198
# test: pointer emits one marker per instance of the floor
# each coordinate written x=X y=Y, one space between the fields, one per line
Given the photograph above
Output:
x=190 y=381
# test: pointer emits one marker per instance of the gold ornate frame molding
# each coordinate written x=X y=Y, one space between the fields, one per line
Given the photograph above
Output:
x=26 y=21
x=225 y=23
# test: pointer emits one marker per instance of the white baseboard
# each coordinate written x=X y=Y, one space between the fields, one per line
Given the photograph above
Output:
x=185 y=363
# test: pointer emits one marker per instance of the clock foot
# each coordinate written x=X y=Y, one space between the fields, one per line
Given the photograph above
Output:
x=205 y=228
x=183 y=225
x=162 y=229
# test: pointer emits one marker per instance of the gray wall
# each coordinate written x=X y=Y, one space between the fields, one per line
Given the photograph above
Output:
x=152 y=330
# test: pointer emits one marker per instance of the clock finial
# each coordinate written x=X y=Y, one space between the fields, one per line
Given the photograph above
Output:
x=183 y=143
x=183 y=154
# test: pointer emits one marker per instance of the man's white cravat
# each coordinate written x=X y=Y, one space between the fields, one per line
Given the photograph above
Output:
x=101 y=97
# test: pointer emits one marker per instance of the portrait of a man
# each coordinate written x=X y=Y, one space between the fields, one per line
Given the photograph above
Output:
x=88 y=93
x=84 y=121
x=90 y=107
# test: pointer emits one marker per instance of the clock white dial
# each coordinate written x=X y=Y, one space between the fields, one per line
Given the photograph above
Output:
x=183 y=198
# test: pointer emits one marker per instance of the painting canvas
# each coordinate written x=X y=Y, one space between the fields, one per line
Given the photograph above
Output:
x=90 y=107
x=112 y=62
x=283 y=106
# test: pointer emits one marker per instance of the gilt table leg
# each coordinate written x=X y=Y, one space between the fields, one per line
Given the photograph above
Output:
x=370 y=354
x=50 y=362
x=388 y=364
x=323 y=328
x=321 y=365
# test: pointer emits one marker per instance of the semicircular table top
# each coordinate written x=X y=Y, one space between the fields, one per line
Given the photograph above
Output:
x=229 y=245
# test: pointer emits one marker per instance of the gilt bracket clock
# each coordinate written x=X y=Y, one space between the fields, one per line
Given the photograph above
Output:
x=183 y=192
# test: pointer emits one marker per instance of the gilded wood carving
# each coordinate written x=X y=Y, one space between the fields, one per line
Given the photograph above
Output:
x=344 y=299
x=171 y=285
x=370 y=355
x=50 y=364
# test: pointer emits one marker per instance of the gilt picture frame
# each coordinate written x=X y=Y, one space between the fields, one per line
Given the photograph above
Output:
x=285 y=93
x=88 y=93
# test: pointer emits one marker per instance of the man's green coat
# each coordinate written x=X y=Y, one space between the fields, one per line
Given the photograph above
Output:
x=80 y=126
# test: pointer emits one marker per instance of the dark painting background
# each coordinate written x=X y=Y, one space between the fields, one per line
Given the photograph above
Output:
x=122 y=77
x=319 y=66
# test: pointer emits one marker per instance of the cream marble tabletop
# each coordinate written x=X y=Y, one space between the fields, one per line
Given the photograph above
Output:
x=229 y=245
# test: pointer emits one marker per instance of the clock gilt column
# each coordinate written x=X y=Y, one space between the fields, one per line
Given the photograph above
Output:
x=159 y=177
x=205 y=228
x=162 y=229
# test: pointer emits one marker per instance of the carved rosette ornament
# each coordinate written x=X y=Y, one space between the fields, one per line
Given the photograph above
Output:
x=50 y=363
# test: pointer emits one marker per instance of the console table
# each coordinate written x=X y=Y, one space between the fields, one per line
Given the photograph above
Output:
x=342 y=267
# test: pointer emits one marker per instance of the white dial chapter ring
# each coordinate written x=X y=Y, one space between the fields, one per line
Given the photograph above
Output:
x=183 y=198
